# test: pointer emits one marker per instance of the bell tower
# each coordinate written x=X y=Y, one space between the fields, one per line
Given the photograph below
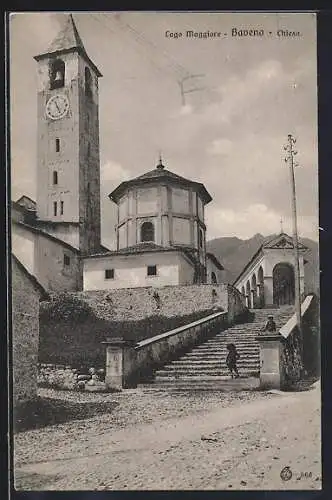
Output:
x=68 y=164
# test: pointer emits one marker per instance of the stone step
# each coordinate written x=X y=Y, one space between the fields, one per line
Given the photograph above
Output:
x=212 y=361
x=222 y=347
x=207 y=366
x=185 y=368
x=223 y=340
x=202 y=372
x=204 y=366
x=202 y=378
x=204 y=354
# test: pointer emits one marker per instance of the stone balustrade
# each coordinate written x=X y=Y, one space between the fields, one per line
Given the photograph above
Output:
x=128 y=363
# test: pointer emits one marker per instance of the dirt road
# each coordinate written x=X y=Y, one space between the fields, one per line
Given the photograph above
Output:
x=243 y=446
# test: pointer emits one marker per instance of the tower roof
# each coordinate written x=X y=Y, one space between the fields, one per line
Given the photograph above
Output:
x=68 y=40
x=160 y=173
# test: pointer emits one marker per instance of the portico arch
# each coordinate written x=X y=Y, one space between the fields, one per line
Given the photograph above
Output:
x=253 y=290
x=260 y=286
x=249 y=305
x=283 y=284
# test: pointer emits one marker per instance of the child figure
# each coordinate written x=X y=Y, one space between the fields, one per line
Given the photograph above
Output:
x=231 y=359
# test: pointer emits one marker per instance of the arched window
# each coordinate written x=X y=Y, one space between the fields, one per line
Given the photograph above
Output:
x=214 y=278
x=88 y=82
x=55 y=177
x=147 y=231
x=57 y=74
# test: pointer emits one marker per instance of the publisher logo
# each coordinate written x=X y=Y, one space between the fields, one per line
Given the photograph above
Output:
x=286 y=474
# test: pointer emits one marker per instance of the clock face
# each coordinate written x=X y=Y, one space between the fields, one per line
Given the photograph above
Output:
x=57 y=106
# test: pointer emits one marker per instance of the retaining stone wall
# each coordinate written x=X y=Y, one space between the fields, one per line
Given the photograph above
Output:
x=25 y=334
x=72 y=334
x=169 y=301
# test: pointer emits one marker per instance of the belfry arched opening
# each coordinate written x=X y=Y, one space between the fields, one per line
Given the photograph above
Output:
x=283 y=284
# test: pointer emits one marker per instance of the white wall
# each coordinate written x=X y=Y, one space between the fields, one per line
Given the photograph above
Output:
x=211 y=267
x=180 y=200
x=181 y=231
x=147 y=200
x=131 y=271
x=23 y=246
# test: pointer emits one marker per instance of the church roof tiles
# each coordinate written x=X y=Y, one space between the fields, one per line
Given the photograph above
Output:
x=163 y=175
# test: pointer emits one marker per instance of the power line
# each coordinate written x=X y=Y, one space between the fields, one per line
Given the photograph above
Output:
x=181 y=73
x=106 y=26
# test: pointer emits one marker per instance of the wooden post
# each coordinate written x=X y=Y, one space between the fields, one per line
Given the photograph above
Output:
x=290 y=160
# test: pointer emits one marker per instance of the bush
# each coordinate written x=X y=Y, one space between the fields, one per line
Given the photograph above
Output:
x=64 y=307
x=63 y=341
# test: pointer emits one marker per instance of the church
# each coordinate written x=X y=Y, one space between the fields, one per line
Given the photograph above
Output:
x=160 y=231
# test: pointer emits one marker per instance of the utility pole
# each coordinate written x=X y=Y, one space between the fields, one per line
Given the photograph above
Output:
x=289 y=148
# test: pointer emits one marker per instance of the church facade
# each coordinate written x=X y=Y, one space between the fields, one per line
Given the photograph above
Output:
x=269 y=278
x=161 y=233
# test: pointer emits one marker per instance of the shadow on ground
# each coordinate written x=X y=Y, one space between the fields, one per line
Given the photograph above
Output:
x=31 y=481
x=46 y=411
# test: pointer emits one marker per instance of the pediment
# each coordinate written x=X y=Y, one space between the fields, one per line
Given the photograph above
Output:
x=282 y=241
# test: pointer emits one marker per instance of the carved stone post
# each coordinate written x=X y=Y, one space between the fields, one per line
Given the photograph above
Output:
x=271 y=369
x=120 y=364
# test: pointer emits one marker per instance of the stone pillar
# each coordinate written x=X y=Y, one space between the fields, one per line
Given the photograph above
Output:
x=268 y=290
x=252 y=294
x=120 y=364
x=247 y=301
x=259 y=295
x=271 y=369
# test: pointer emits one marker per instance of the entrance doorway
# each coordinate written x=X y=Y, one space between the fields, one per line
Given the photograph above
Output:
x=283 y=284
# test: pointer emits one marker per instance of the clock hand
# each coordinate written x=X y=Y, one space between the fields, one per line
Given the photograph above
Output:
x=56 y=105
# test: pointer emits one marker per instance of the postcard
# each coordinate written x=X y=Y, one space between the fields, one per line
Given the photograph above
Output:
x=164 y=259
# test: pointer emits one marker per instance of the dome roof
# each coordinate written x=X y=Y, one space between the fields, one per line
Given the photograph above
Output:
x=160 y=173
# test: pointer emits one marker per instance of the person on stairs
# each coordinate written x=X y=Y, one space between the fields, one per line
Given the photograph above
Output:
x=231 y=359
x=270 y=325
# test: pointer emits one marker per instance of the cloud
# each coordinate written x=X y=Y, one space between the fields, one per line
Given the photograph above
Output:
x=220 y=147
x=187 y=109
x=114 y=172
x=255 y=218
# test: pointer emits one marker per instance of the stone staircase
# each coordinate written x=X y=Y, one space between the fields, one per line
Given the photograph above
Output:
x=205 y=365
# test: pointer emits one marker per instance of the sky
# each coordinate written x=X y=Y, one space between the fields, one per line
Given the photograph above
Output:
x=228 y=133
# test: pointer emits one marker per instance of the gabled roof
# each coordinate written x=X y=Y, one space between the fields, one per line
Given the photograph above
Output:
x=37 y=230
x=68 y=40
x=41 y=290
x=282 y=240
x=160 y=173
x=26 y=202
x=214 y=259
x=144 y=247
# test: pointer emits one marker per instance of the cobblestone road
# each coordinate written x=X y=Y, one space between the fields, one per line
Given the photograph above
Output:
x=164 y=441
